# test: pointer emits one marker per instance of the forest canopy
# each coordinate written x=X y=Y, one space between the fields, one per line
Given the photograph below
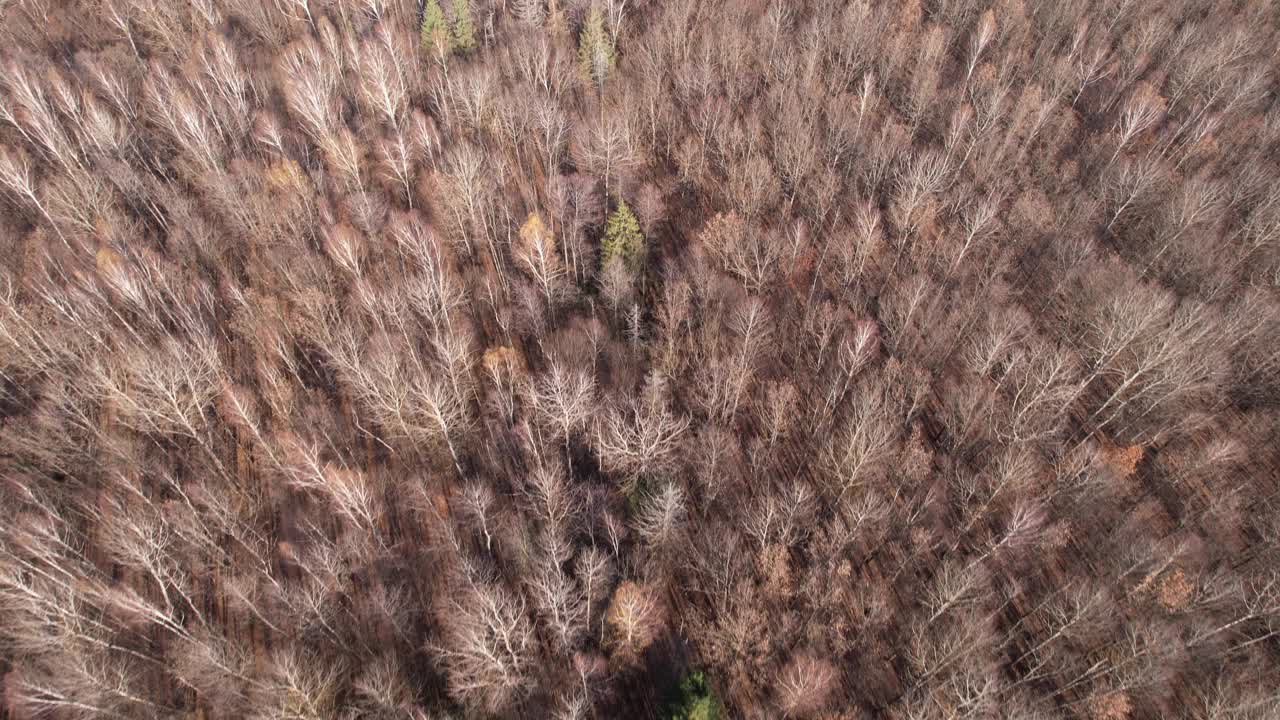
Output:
x=679 y=359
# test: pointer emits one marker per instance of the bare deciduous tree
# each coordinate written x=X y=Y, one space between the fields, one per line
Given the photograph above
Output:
x=487 y=646
x=605 y=146
x=538 y=255
x=806 y=685
x=562 y=604
x=634 y=615
x=564 y=399
x=1140 y=112
x=641 y=436
x=746 y=252
x=662 y=517
x=866 y=443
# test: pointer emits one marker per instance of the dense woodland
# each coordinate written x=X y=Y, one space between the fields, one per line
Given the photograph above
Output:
x=583 y=359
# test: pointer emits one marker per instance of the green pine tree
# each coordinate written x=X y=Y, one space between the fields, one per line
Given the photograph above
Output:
x=623 y=238
x=433 y=31
x=696 y=700
x=462 y=31
x=595 y=49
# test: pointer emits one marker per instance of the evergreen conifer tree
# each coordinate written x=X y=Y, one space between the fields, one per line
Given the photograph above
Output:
x=696 y=700
x=462 y=31
x=433 y=31
x=595 y=50
x=623 y=237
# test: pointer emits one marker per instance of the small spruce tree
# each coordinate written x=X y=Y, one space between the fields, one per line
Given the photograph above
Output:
x=462 y=31
x=623 y=238
x=595 y=49
x=433 y=31
x=696 y=700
